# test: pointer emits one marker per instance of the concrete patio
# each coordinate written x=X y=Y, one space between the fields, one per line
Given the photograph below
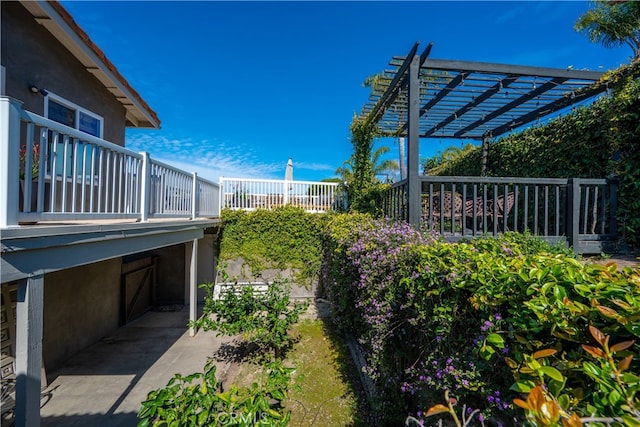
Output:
x=105 y=384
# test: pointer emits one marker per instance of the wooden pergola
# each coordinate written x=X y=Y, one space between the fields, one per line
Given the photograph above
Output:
x=436 y=98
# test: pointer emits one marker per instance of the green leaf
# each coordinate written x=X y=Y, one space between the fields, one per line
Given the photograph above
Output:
x=486 y=352
x=277 y=394
x=203 y=417
x=522 y=386
x=564 y=401
x=552 y=372
x=495 y=340
x=591 y=369
x=630 y=421
x=614 y=397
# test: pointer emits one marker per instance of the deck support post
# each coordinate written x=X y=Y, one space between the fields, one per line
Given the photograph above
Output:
x=29 y=312
x=191 y=251
x=413 y=155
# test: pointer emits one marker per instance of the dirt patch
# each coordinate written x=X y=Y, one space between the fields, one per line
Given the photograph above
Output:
x=631 y=260
x=233 y=356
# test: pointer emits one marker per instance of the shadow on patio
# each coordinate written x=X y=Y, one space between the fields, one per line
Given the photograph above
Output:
x=105 y=384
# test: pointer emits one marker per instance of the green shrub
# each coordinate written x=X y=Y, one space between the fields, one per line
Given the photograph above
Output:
x=472 y=318
x=263 y=319
x=198 y=400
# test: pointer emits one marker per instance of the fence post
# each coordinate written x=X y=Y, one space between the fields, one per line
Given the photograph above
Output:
x=573 y=213
x=195 y=205
x=145 y=187
x=613 y=212
x=221 y=193
x=9 y=160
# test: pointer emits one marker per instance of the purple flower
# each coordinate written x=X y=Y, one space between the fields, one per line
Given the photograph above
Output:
x=487 y=324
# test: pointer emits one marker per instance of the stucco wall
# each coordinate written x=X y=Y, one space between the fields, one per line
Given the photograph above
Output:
x=81 y=305
x=32 y=56
x=208 y=252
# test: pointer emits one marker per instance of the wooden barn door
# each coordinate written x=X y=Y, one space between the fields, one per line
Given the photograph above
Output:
x=138 y=286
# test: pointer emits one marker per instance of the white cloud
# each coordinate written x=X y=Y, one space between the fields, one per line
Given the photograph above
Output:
x=313 y=166
x=209 y=159
x=213 y=159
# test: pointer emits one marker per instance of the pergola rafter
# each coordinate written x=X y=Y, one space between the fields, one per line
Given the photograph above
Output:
x=423 y=97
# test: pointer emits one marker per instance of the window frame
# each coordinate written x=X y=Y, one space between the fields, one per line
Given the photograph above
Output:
x=77 y=109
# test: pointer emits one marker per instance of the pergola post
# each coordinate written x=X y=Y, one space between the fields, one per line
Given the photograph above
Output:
x=413 y=153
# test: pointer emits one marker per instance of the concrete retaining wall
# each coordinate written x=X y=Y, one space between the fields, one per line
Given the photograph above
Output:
x=238 y=271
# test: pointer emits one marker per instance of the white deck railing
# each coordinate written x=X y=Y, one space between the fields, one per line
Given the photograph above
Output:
x=49 y=171
x=250 y=194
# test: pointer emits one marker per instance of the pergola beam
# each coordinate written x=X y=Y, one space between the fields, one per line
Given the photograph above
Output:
x=515 y=70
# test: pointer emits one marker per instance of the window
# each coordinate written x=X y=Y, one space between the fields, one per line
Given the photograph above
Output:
x=62 y=111
x=69 y=114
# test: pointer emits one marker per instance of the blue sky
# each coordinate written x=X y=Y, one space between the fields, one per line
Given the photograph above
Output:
x=242 y=86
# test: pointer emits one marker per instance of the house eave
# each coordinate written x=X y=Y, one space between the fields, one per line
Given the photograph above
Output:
x=61 y=25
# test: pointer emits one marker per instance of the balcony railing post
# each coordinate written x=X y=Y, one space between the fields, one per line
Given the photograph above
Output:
x=573 y=213
x=145 y=194
x=9 y=160
x=195 y=205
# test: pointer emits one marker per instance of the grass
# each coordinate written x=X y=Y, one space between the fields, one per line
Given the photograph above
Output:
x=326 y=387
x=327 y=390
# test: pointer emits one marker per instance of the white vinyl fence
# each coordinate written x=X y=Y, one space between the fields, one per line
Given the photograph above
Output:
x=251 y=194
